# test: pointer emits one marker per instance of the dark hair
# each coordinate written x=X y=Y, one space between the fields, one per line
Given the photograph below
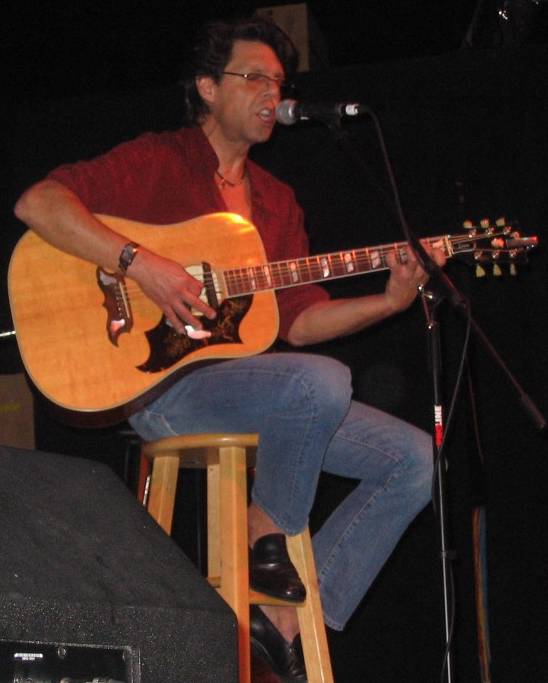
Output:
x=212 y=51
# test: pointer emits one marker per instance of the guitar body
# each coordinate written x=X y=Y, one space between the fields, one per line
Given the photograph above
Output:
x=84 y=360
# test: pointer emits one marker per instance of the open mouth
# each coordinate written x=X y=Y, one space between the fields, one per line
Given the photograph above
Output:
x=266 y=114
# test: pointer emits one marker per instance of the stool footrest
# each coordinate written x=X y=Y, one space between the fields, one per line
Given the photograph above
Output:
x=257 y=598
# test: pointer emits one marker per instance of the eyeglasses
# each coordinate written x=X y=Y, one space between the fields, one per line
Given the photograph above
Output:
x=259 y=78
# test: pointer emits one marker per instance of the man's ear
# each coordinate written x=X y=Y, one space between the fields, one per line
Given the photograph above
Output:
x=206 y=87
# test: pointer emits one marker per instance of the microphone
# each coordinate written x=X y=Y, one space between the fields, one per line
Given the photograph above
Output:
x=289 y=112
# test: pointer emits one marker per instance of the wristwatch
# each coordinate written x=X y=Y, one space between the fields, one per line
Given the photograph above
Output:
x=127 y=255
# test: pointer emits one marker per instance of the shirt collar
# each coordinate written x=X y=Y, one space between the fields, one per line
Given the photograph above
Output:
x=204 y=160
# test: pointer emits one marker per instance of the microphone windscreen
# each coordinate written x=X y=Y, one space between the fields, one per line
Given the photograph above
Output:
x=285 y=112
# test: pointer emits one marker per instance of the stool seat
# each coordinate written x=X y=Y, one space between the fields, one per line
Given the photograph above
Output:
x=195 y=446
x=227 y=458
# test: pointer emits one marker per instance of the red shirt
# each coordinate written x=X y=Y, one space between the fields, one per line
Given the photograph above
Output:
x=167 y=178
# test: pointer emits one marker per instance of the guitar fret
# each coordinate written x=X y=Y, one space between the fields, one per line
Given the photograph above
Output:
x=349 y=262
x=283 y=274
x=294 y=272
x=267 y=276
x=337 y=267
x=366 y=261
x=304 y=270
x=259 y=278
x=325 y=270
x=376 y=259
x=236 y=281
x=315 y=268
x=277 y=275
x=251 y=279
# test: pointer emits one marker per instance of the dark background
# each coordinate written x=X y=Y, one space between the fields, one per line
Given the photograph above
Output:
x=461 y=98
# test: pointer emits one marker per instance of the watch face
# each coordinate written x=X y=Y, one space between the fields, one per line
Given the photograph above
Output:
x=127 y=255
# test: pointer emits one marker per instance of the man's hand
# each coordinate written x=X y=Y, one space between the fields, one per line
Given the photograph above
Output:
x=406 y=276
x=171 y=288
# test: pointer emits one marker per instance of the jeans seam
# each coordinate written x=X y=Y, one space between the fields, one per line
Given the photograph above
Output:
x=313 y=419
x=323 y=572
x=353 y=524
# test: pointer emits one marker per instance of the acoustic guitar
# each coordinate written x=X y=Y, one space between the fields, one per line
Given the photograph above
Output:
x=95 y=346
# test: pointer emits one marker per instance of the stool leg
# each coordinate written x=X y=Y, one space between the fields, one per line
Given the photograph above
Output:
x=313 y=636
x=144 y=474
x=213 y=524
x=163 y=486
x=234 y=545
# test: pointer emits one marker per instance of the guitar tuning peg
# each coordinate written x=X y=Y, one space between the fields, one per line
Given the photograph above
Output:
x=468 y=225
x=513 y=269
x=480 y=272
x=496 y=270
x=500 y=222
x=484 y=223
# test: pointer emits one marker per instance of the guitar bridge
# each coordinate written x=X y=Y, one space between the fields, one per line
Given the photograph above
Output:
x=116 y=303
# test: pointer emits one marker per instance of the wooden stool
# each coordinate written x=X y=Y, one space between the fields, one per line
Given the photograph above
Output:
x=227 y=458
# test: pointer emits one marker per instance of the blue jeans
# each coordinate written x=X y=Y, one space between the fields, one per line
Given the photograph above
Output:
x=301 y=405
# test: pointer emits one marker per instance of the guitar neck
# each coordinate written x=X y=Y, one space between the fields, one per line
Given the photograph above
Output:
x=310 y=269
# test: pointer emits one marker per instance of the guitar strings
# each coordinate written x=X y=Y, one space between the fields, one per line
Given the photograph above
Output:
x=311 y=269
x=283 y=273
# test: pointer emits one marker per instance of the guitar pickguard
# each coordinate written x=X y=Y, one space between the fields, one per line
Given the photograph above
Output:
x=168 y=347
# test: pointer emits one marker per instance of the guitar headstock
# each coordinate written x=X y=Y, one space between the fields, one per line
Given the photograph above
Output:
x=489 y=246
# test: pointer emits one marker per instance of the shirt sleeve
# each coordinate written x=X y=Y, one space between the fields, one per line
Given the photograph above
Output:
x=294 y=300
x=123 y=181
x=97 y=181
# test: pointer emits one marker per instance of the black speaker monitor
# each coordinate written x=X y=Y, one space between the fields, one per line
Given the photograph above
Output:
x=86 y=575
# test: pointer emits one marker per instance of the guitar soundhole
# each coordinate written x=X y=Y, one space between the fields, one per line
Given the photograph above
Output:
x=167 y=347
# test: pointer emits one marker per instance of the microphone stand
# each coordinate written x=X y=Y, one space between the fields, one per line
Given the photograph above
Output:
x=431 y=300
x=440 y=288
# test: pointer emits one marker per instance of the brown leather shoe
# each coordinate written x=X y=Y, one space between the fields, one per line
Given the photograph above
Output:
x=272 y=572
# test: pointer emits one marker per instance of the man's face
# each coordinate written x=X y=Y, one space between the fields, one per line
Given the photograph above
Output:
x=244 y=108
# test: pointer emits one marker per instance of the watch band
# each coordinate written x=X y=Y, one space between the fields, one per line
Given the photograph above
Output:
x=127 y=255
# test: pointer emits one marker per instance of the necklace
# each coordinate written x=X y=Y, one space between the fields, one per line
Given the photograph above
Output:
x=223 y=182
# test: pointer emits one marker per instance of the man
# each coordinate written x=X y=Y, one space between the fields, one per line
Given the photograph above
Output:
x=300 y=404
